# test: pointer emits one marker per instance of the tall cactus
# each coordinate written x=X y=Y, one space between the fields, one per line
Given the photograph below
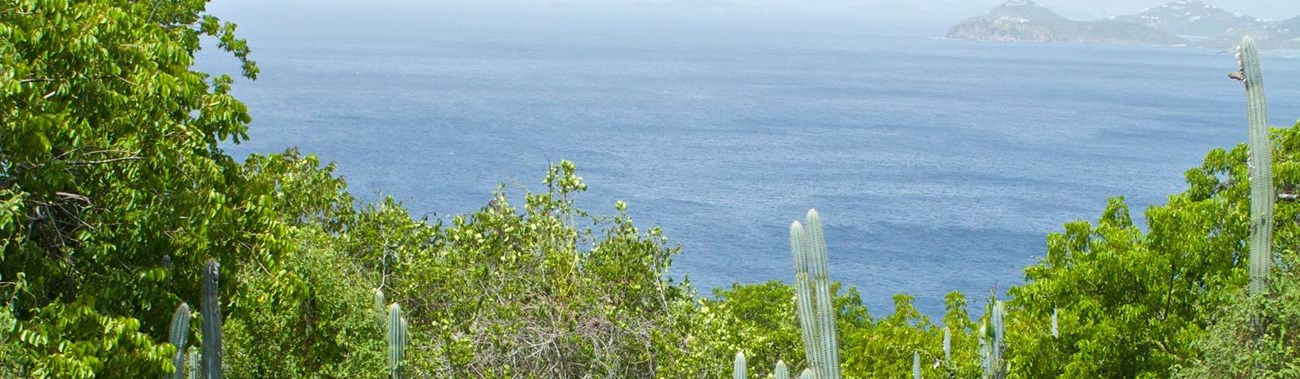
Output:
x=192 y=364
x=739 y=369
x=381 y=308
x=211 y=321
x=781 y=371
x=991 y=344
x=396 y=340
x=1261 y=166
x=1055 y=332
x=949 y=366
x=180 y=331
x=916 y=365
x=947 y=345
x=813 y=297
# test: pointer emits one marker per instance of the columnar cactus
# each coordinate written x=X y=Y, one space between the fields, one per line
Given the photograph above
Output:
x=781 y=371
x=381 y=308
x=211 y=310
x=180 y=331
x=1261 y=166
x=947 y=346
x=916 y=365
x=192 y=364
x=807 y=374
x=1055 y=332
x=813 y=297
x=396 y=340
x=991 y=343
x=739 y=369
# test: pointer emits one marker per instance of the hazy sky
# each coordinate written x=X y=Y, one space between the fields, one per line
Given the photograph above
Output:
x=1079 y=9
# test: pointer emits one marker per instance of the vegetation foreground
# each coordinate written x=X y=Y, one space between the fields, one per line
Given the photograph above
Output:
x=118 y=210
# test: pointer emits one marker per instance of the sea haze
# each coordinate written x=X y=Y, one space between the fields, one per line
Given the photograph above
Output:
x=937 y=165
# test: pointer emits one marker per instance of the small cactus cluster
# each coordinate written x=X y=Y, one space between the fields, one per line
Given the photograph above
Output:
x=1260 y=163
x=188 y=361
x=813 y=300
x=740 y=369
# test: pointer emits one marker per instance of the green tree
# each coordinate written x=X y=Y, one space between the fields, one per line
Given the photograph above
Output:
x=1133 y=303
x=113 y=182
x=1229 y=348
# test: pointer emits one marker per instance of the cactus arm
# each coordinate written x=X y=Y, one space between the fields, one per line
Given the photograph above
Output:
x=739 y=368
x=180 y=331
x=807 y=374
x=396 y=340
x=781 y=371
x=816 y=247
x=192 y=364
x=1261 y=167
x=947 y=345
x=211 y=321
x=381 y=308
x=997 y=334
x=1055 y=331
x=916 y=365
x=803 y=295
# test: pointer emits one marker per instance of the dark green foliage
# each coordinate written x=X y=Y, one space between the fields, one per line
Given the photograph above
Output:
x=113 y=187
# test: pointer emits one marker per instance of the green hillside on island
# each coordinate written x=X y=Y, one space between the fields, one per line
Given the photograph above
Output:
x=1178 y=23
x=133 y=246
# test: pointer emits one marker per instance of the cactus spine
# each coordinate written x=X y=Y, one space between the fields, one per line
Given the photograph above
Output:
x=813 y=297
x=180 y=331
x=1261 y=166
x=916 y=365
x=211 y=321
x=739 y=369
x=396 y=340
x=781 y=371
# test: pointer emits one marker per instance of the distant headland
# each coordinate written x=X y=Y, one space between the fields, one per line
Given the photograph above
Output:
x=1178 y=23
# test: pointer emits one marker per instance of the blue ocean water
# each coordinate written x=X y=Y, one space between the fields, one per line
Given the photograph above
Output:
x=937 y=165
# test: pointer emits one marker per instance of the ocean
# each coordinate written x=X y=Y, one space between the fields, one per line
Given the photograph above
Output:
x=937 y=165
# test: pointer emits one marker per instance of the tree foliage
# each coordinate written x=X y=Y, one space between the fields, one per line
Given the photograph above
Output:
x=112 y=179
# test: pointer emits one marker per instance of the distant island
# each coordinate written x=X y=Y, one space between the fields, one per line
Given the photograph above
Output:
x=1178 y=23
